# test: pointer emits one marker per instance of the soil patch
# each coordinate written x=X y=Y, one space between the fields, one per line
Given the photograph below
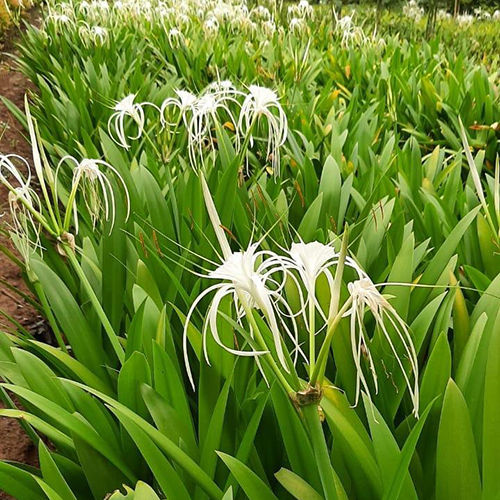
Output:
x=14 y=443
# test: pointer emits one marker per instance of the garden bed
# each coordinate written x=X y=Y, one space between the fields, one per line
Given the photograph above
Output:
x=251 y=225
x=14 y=443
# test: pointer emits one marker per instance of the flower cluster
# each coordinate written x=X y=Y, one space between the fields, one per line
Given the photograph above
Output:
x=245 y=113
x=413 y=10
x=350 y=33
x=45 y=202
x=179 y=18
x=257 y=280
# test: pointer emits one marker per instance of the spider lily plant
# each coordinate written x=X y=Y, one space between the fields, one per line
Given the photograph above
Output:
x=218 y=105
x=256 y=279
x=127 y=108
x=43 y=208
x=87 y=179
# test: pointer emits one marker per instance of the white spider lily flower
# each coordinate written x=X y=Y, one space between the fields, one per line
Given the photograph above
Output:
x=245 y=276
x=64 y=8
x=84 y=7
x=261 y=12
x=268 y=28
x=365 y=295
x=211 y=26
x=222 y=88
x=96 y=34
x=345 y=23
x=465 y=19
x=205 y=114
x=183 y=20
x=96 y=189
x=262 y=102
x=413 y=10
x=116 y=123
x=305 y=9
x=311 y=260
x=184 y=102
x=11 y=170
x=175 y=37
x=60 y=20
x=100 y=32
x=293 y=11
x=249 y=278
x=297 y=25
x=23 y=201
x=246 y=25
x=222 y=12
x=349 y=31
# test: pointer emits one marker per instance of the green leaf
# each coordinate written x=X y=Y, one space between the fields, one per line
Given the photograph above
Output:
x=85 y=343
x=294 y=435
x=142 y=492
x=19 y=483
x=310 y=221
x=400 y=474
x=437 y=372
x=52 y=475
x=491 y=420
x=41 y=379
x=353 y=440
x=441 y=258
x=169 y=448
x=135 y=372
x=101 y=475
x=457 y=471
x=296 y=486
x=79 y=370
x=252 y=485
x=386 y=449
x=162 y=469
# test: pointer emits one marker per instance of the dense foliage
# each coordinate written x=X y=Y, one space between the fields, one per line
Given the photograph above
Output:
x=334 y=181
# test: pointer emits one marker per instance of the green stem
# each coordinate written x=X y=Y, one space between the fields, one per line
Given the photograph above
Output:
x=319 y=370
x=69 y=204
x=113 y=338
x=339 y=272
x=246 y=141
x=320 y=449
x=37 y=215
x=262 y=343
x=50 y=316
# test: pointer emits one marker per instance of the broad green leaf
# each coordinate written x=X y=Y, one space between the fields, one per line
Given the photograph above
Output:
x=19 y=483
x=296 y=486
x=457 y=471
x=52 y=475
x=252 y=485
x=491 y=420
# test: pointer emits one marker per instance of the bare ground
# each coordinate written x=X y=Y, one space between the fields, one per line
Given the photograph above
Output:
x=14 y=443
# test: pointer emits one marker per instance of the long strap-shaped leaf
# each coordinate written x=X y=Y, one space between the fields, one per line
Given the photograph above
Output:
x=165 y=444
x=396 y=484
x=252 y=485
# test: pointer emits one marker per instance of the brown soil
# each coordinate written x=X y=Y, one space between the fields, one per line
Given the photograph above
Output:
x=14 y=443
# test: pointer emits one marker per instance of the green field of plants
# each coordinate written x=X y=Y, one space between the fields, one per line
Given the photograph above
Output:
x=266 y=238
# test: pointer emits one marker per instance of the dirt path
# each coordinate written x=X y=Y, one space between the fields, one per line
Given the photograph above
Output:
x=14 y=444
